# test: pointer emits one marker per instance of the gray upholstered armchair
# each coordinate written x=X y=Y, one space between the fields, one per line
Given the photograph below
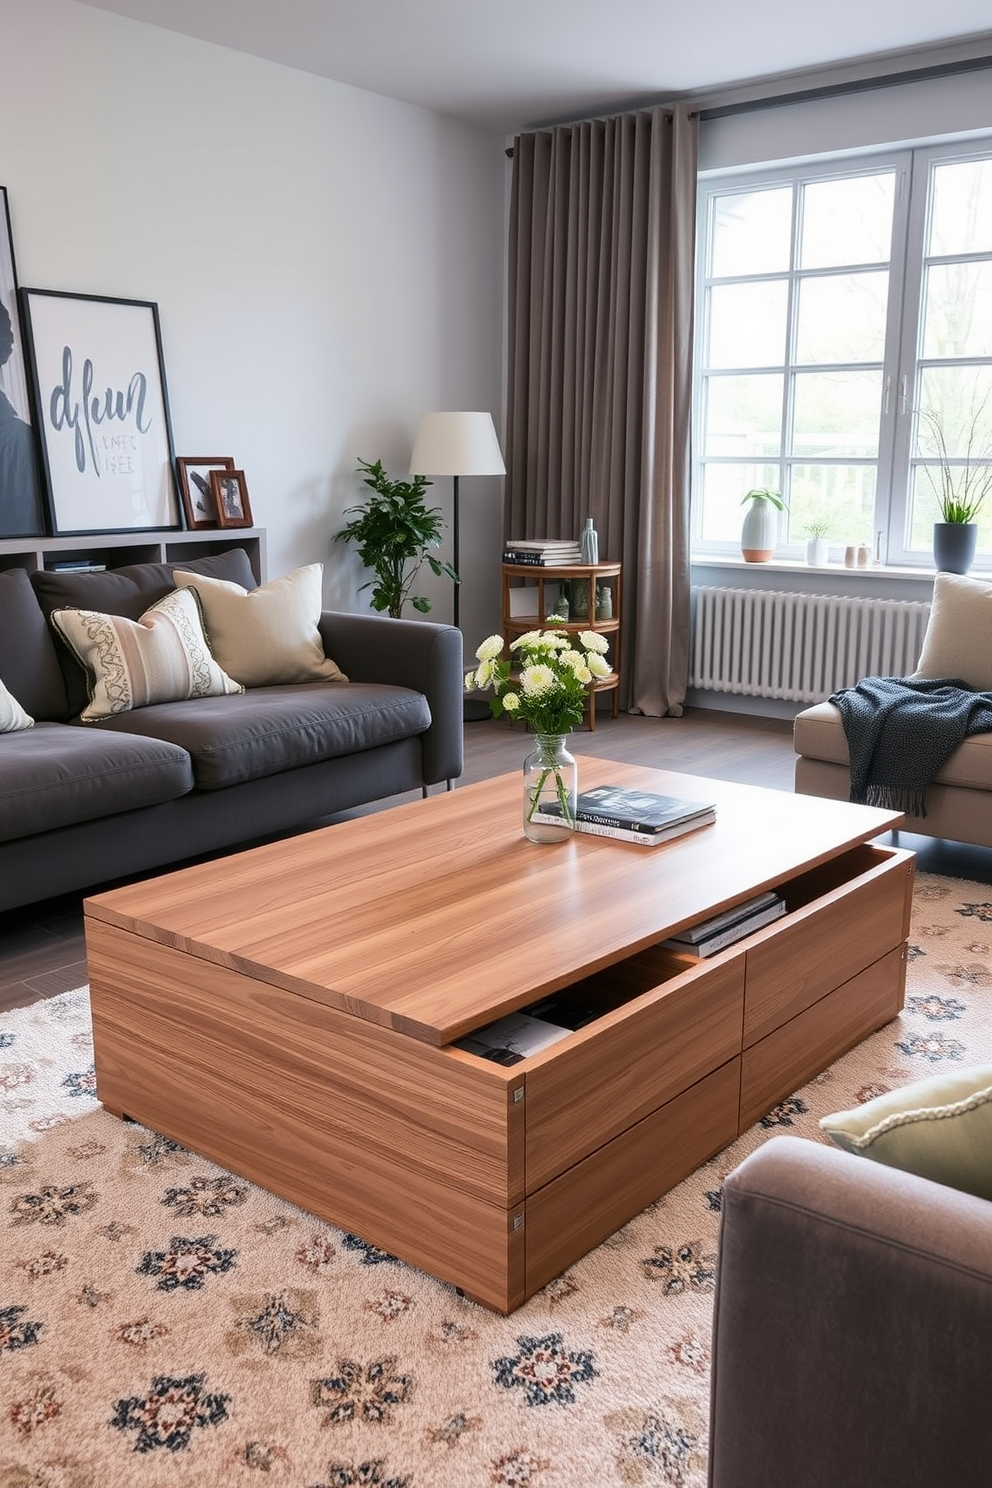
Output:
x=852 y=1336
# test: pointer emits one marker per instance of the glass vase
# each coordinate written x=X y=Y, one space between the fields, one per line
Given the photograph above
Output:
x=550 y=789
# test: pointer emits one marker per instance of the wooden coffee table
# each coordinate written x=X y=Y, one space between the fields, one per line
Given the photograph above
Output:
x=290 y=1012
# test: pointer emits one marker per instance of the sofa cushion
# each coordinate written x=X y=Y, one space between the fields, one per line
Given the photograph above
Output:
x=266 y=636
x=12 y=716
x=162 y=657
x=57 y=774
x=270 y=729
x=818 y=733
x=958 y=640
x=29 y=663
x=940 y=1128
x=124 y=591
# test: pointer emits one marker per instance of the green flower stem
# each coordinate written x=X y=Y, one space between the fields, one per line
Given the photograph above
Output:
x=560 y=791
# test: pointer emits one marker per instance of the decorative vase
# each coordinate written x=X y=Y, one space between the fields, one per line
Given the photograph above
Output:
x=550 y=789
x=817 y=552
x=954 y=546
x=759 y=532
x=589 y=543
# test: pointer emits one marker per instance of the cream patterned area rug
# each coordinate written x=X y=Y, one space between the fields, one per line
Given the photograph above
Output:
x=165 y=1323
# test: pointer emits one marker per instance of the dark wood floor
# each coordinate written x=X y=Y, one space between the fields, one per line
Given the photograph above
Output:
x=42 y=950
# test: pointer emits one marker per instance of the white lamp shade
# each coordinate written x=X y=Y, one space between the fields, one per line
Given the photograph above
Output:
x=456 y=444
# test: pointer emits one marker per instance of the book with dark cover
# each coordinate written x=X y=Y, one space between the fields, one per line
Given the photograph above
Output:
x=643 y=839
x=637 y=811
x=528 y=559
x=731 y=933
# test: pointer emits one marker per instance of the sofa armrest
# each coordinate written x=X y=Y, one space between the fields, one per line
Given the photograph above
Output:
x=852 y=1326
x=408 y=653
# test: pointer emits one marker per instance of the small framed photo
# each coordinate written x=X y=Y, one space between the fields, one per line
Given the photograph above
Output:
x=231 y=495
x=199 y=501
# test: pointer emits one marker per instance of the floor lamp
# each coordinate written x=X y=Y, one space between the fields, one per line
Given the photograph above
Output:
x=457 y=444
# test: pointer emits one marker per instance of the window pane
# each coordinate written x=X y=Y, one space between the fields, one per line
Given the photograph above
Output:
x=752 y=232
x=961 y=211
x=956 y=412
x=837 y=414
x=724 y=489
x=744 y=416
x=747 y=325
x=957 y=314
x=843 y=494
x=847 y=221
x=842 y=318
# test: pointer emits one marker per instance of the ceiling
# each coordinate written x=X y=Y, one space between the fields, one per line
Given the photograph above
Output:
x=512 y=64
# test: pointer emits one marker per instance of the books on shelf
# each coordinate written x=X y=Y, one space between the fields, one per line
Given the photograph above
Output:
x=722 y=930
x=541 y=552
x=634 y=816
x=77 y=565
x=510 y=1039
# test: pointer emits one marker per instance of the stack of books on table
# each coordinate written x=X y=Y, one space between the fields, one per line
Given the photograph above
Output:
x=633 y=815
x=546 y=552
x=721 y=930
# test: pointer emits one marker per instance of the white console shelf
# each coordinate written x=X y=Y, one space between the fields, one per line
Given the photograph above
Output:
x=116 y=549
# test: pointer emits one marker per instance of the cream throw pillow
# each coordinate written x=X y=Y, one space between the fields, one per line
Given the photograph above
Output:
x=939 y=1128
x=267 y=635
x=161 y=658
x=12 y=716
x=958 y=642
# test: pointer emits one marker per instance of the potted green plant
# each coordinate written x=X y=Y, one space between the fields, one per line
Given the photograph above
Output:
x=817 y=544
x=759 y=533
x=394 y=532
x=960 y=483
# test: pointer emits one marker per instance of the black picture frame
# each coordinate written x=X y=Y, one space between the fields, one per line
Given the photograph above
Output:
x=98 y=378
x=22 y=499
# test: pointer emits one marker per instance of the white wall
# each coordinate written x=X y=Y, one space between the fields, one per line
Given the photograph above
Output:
x=327 y=263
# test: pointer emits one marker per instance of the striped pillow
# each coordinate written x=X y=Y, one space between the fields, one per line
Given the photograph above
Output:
x=161 y=658
x=12 y=716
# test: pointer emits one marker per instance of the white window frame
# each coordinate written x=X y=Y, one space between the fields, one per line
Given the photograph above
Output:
x=912 y=168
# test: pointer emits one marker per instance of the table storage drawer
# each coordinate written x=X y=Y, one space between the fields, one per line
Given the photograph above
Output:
x=822 y=943
x=581 y=1094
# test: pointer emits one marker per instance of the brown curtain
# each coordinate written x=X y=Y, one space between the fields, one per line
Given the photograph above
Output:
x=601 y=260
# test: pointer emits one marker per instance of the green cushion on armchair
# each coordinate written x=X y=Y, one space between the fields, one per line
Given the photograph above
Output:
x=939 y=1128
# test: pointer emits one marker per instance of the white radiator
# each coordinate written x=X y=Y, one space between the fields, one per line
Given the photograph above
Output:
x=800 y=647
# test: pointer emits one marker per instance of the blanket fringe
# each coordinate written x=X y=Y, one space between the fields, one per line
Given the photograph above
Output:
x=893 y=798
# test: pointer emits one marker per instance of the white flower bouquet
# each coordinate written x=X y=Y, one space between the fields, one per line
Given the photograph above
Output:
x=544 y=680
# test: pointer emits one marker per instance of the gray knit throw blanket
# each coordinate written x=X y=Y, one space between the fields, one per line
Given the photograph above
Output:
x=900 y=730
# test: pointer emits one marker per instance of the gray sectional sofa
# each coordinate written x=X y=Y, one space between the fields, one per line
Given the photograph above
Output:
x=86 y=803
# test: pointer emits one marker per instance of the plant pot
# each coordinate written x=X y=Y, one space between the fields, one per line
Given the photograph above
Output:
x=759 y=532
x=954 y=546
x=817 y=552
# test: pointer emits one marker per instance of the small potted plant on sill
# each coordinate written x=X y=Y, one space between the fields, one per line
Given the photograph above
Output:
x=394 y=531
x=817 y=543
x=960 y=483
x=759 y=533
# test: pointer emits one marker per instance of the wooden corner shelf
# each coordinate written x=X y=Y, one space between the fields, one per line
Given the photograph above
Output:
x=519 y=577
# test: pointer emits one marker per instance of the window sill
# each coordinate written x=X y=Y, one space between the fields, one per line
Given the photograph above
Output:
x=831 y=571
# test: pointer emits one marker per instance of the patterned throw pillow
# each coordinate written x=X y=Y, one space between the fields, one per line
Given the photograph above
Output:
x=12 y=715
x=267 y=635
x=161 y=658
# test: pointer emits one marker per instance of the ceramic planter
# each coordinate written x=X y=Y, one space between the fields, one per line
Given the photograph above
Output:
x=954 y=546
x=759 y=532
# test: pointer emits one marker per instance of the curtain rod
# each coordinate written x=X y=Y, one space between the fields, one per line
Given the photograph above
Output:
x=838 y=90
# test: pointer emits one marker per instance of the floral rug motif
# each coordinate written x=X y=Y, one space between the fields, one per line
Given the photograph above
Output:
x=165 y=1323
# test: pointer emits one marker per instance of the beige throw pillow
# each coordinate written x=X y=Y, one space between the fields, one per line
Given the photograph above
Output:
x=939 y=1128
x=267 y=635
x=12 y=716
x=958 y=642
x=161 y=658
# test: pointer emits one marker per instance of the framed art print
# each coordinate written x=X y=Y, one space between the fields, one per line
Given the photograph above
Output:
x=103 y=412
x=231 y=495
x=199 y=501
x=22 y=508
